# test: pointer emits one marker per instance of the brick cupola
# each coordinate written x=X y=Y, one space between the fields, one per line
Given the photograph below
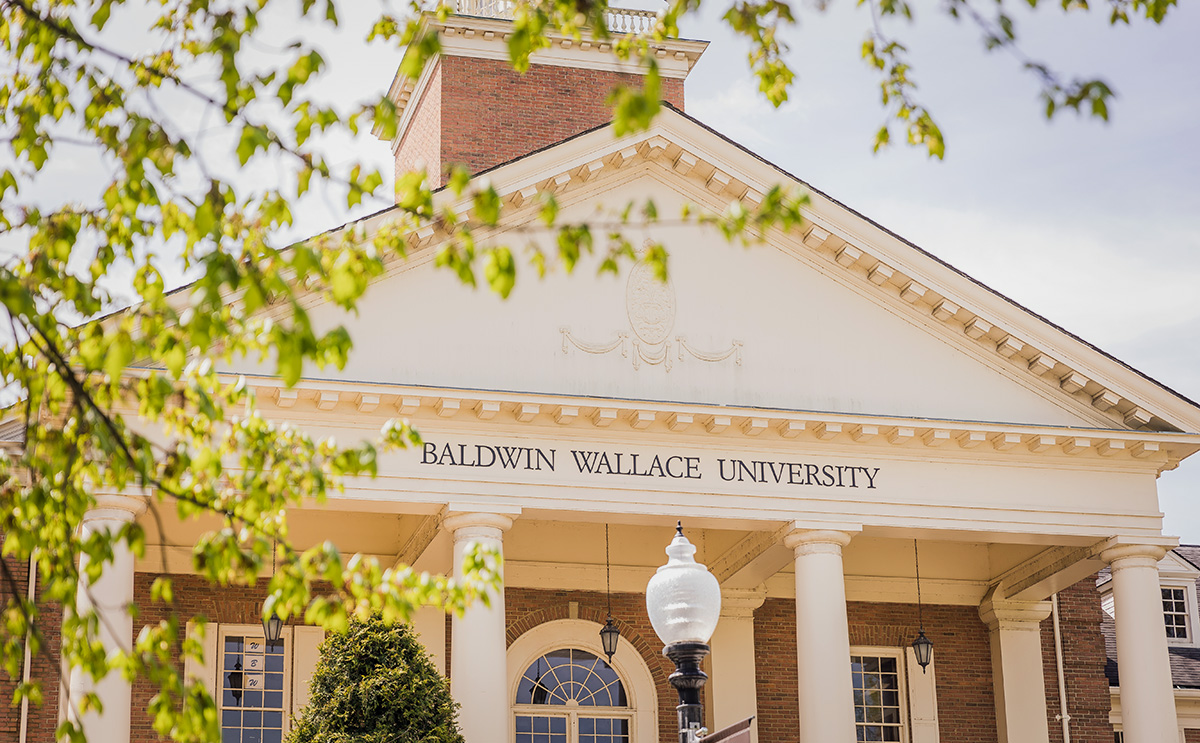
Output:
x=470 y=107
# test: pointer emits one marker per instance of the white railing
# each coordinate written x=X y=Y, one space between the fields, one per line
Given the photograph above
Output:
x=486 y=8
x=618 y=20
x=629 y=20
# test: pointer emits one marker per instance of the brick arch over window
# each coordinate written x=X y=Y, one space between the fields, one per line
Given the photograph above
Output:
x=529 y=608
x=641 y=689
x=650 y=654
x=883 y=635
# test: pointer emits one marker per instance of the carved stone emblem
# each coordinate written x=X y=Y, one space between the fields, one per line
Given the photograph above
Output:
x=650 y=308
x=650 y=304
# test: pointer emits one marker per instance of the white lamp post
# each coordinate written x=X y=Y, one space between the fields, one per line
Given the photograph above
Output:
x=684 y=603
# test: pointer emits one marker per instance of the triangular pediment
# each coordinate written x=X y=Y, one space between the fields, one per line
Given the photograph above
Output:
x=840 y=316
x=1174 y=565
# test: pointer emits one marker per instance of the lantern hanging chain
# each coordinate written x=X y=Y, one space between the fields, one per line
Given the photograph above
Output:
x=917 y=563
x=607 y=574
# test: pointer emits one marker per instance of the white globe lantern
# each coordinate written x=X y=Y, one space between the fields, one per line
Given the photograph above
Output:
x=683 y=598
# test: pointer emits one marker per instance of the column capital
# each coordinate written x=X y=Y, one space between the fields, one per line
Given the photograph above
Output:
x=740 y=603
x=475 y=524
x=120 y=507
x=806 y=540
x=1000 y=613
x=1133 y=555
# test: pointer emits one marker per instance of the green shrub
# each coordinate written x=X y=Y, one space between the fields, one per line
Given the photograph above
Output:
x=376 y=684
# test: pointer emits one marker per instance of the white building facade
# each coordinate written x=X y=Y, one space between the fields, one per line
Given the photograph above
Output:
x=819 y=410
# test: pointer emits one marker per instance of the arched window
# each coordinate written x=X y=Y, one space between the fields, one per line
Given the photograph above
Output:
x=562 y=689
x=571 y=696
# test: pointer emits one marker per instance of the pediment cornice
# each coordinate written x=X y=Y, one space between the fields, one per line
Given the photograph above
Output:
x=876 y=262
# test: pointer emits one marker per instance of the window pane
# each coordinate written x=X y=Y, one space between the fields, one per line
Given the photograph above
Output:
x=604 y=730
x=252 y=690
x=539 y=729
x=876 y=698
x=563 y=676
x=1175 y=613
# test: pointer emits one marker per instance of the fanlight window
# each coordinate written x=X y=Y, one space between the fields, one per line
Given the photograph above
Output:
x=571 y=676
x=571 y=679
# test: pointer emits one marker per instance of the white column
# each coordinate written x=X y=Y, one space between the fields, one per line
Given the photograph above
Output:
x=822 y=637
x=110 y=596
x=1018 y=677
x=1147 y=698
x=478 y=647
x=732 y=686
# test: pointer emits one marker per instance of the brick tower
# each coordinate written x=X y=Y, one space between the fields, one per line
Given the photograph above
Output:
x=470 y=107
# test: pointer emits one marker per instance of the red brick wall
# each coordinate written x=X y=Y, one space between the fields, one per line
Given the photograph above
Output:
x=966 y=707
x=527 y=608
x=1191 y=735
x=965 y=703
x=962 y=660
x=1088 y=700
x=421 y=142
x=775 y=671
x=10 y=719
x=46 y=667
x=193 y=596
x=487 y=114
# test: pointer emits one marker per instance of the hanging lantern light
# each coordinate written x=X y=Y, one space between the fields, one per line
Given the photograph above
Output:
x=922 y=646
x=610 y=634
x=273 y=628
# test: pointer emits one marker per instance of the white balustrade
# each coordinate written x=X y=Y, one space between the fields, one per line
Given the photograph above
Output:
x=618 y=20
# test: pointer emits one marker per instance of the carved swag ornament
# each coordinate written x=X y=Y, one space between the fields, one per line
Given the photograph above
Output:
x=650 y=308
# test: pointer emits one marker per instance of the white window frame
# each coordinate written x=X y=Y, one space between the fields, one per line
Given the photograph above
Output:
x=640 y=691
x=300 y=657
x=901 y=658
x=256 y=632
x=1189 y=603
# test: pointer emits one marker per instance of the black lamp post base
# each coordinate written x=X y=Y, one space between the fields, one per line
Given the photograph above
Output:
x=688 y=679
